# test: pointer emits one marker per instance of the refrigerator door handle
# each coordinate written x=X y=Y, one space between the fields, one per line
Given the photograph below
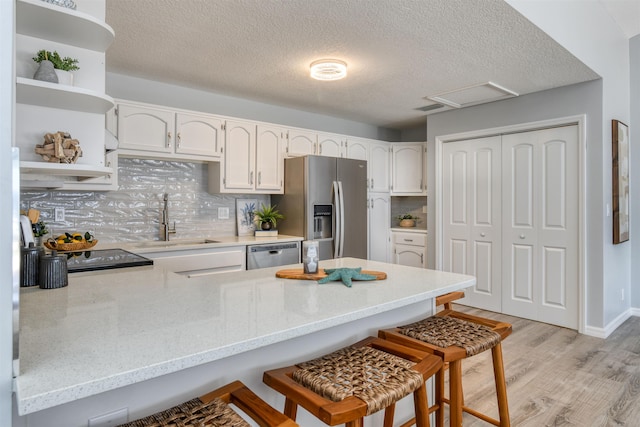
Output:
x=341 y=194
x=336 y=232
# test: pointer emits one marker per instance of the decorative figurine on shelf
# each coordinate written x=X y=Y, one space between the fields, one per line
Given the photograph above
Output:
x=59 y=147
x=55 y=69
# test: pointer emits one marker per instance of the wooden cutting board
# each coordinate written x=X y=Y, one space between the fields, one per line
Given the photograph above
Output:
x=298 y=274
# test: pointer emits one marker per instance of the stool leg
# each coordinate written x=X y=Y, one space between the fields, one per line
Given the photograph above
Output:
x=290 y=409
x=439 y=395
x=355 y=423
x=501 y=385
x=389 y=412
x=455 y=391
x=421 y=405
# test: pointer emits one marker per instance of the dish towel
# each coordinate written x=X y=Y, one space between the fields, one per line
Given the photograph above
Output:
x=345 y=275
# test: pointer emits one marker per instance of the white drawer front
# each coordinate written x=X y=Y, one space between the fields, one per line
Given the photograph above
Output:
x=413 y=239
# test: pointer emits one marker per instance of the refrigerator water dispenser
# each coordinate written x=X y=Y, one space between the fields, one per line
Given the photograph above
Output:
x=322 y=221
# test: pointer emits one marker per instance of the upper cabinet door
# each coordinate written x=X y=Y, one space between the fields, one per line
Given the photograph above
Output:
x=301 y=143
x=199 y=135
x=145 y=128
x=379 y=166
x=357 y=149
x=269 y=162
x=330 y=145
x=407 y=168
x=239 y=155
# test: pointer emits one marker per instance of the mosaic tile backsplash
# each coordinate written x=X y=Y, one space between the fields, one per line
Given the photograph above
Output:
x=134 y=212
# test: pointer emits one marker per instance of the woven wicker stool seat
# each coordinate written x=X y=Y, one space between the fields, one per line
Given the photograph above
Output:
x=213 y=410
x=454 y=336
x=344 y=386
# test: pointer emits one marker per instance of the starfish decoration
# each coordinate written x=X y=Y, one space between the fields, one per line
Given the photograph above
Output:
x=345 y=275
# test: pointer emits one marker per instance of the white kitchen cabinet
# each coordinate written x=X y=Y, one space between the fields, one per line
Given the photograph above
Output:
x=331 y=145
x=356 y=148
x=408 y=169
x=158 y=132
x=43 y=107
x=145 y=128
x=238 y=165
x=379 y=208
x=301 y=142
x=409 y=248
x=198 y=134
x=379 y=166
x=269 y=160
x=252 y=161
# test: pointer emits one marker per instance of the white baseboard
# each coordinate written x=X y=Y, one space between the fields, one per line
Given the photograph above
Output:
x=612 y=326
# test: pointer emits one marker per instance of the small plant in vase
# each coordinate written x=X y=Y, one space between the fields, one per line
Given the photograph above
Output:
x=407 y=220
x=53 y=68
x=267 y=217
x=39 y=230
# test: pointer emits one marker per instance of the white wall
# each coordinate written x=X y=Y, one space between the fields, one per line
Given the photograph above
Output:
x=587 y=30
x=634 y=53
x=6 y=227
x=584 y=98
x=154 y=92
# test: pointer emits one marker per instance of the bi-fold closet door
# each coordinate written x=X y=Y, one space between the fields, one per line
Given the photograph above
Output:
x=510 y=218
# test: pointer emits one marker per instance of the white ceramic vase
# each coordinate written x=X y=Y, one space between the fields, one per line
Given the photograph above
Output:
x=64 y=77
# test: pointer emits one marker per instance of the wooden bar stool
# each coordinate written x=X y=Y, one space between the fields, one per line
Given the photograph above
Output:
x=454 y=336
x=345 y=386
x=213 y=409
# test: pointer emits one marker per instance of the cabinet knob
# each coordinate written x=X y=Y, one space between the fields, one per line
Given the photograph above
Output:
x=168 y=139
x=408 y=240
x=259 y=177
x=482 y=234
x=522 y=236
x=251 y=179
x=179 y=140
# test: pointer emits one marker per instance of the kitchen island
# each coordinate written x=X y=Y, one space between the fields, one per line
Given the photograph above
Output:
x=144 y=338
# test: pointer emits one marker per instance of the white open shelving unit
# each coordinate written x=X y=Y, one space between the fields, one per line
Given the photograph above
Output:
x=35 y=18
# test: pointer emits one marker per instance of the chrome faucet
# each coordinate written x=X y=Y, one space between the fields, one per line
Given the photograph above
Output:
x=166 y=229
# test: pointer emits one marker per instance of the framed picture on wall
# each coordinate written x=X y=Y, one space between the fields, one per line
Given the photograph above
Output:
x=245 y=212
x=620 y=138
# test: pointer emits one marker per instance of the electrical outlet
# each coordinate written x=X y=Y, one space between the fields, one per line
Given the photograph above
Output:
x=114 y=418
x=59 y=214
x=424 y=209
x=223 y=213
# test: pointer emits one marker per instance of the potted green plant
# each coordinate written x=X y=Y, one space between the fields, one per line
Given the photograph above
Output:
x=267 y=217
x=39 y=230
x=62 y=67
x=407 y=220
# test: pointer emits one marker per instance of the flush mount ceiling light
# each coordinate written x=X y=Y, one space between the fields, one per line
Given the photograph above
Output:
x=328 y=69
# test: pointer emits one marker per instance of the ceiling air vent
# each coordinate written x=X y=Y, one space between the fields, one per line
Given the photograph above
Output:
x=473 y=95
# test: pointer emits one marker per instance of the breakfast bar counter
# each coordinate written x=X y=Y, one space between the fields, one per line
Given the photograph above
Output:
x=144 y=338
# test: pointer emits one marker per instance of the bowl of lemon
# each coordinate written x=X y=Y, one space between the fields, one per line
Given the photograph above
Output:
x=71 y=242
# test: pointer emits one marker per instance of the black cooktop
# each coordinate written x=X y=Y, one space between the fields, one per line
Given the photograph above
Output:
x=103 y=259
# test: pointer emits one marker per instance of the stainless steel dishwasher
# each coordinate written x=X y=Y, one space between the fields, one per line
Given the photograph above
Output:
x=272 y=255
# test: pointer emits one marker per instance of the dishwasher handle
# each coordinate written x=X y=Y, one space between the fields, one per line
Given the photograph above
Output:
x=275 y=252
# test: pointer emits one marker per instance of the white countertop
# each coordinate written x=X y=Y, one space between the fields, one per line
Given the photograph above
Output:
x=119 y=327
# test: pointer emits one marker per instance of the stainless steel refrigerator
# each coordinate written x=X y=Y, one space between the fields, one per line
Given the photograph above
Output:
x=325 y=199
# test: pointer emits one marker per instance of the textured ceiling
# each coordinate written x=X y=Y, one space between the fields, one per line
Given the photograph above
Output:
x=398 y=51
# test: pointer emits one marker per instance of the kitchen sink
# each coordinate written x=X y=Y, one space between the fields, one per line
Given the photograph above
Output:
x=171 y=244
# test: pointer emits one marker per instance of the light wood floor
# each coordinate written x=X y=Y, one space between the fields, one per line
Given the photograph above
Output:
x=557 y=377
